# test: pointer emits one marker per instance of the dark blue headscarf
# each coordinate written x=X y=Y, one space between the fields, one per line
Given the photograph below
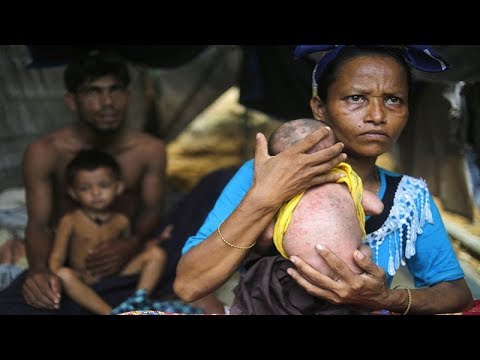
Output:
x=421 y=57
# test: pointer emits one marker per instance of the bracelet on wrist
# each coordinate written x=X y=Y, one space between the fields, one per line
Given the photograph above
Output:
x=232 y=245
x=409 y=304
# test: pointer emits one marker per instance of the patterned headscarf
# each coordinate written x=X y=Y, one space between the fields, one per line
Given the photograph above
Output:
x=421 y=57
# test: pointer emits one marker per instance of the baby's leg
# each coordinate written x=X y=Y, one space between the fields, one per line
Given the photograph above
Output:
x=81 y=292
x=150 y=263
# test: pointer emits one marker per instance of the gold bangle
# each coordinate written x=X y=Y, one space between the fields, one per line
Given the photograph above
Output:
x=234 y=246
x=409 y=305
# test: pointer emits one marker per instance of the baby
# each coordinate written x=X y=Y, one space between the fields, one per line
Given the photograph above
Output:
x=333 y=213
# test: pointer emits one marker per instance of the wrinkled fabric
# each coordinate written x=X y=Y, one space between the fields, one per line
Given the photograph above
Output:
x=267 y=289
x=113 y=290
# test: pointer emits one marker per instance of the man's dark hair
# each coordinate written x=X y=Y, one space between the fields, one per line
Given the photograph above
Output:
x=89 y=160
x=92 y=66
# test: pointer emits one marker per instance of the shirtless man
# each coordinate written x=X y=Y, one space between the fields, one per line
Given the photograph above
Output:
x=94 y=181
x=97 y=91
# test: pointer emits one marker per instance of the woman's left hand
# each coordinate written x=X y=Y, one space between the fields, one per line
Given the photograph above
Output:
x=368 y=289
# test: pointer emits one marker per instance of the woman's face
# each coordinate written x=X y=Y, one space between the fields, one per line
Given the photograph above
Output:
x=367 y=104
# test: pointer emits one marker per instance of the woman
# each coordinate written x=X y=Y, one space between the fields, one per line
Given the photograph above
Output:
x=362 y=92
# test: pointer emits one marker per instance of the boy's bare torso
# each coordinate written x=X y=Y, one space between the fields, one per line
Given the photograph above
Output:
x=86 y=234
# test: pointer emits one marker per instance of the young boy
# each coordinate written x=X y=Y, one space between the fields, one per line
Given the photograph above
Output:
x=332 y=213
x=94 y=181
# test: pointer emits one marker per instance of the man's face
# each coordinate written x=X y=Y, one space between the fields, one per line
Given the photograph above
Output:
x=102 y=104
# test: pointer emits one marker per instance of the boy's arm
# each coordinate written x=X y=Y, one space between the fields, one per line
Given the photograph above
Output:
x=60 y=244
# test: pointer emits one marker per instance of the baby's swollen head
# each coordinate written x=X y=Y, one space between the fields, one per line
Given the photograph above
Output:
x=293 y=131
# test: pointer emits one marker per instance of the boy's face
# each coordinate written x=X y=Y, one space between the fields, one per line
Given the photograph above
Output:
x=95 y=189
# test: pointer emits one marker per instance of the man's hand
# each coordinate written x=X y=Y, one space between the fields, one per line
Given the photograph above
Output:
x=109 y=257
x=368 y=289
x=42 y=289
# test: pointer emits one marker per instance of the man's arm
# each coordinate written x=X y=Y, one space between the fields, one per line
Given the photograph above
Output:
x=153 y=191
x=41 y=288
x=109 y=257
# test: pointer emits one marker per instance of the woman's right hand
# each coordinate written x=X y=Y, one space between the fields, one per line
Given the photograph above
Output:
x=279 y=178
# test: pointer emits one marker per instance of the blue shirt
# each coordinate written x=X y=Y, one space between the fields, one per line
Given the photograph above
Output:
x=433 y=261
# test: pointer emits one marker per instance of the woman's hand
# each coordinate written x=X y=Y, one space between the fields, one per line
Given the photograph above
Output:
x=279 y=178
x=369 y=289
